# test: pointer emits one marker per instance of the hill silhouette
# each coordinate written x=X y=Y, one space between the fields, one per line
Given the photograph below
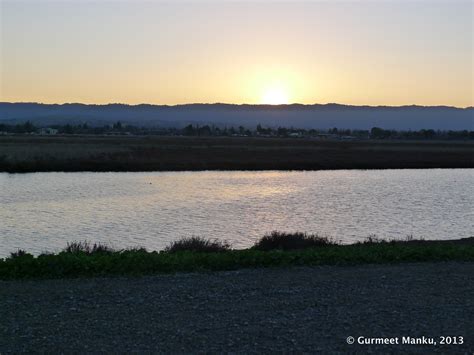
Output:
x=295 y=115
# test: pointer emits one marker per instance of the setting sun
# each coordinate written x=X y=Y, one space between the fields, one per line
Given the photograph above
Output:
x=275 y=96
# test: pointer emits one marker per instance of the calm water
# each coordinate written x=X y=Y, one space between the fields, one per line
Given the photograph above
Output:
x=41 y=212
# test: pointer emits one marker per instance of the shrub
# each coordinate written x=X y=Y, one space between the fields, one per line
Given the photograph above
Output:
x=87 y=248
x=197 y=244
x=291 y=241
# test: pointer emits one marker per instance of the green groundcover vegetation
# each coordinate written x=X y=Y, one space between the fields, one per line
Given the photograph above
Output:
x=81 y=259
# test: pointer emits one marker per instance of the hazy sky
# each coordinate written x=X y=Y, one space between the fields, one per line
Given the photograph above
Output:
x=358 y=52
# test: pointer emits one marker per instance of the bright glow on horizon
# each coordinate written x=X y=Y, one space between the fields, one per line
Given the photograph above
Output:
x=275 y=96
x=162 y=52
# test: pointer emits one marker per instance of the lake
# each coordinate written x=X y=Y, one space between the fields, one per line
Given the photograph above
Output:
x=41 y=212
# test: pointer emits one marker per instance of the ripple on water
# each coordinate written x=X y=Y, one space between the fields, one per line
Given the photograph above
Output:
x=43 y=211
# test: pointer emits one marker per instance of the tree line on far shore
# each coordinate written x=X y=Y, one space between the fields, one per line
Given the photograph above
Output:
x=120 y=128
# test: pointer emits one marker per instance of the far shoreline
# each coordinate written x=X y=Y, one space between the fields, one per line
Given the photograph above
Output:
x=27 y=154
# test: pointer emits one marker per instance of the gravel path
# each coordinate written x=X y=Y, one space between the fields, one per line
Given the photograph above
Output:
x=263 y=310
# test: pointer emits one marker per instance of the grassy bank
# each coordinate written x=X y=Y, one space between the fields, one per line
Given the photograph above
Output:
x=194 y=254
x=96 y=153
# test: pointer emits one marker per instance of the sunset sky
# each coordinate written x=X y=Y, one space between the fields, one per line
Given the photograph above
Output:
x=358 y=52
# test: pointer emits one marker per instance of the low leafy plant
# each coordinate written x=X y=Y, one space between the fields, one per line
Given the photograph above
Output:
x=291 y=241
x=197 y=244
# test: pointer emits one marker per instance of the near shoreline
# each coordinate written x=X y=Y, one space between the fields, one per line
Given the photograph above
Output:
x=197 y=254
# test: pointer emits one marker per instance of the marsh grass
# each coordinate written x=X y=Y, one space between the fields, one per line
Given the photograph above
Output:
x=373 y=239
x=87 y=248
x=18 y=254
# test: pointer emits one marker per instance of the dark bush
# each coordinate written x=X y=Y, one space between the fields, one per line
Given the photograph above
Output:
x=197 y=244
x=291 y=241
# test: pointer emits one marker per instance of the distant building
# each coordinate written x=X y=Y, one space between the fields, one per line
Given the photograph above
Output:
x=48 y=131
x=295 y=135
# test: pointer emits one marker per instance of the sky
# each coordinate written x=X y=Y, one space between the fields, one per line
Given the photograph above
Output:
x=158 y=52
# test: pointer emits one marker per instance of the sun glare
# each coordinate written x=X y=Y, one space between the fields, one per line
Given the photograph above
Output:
x=275 y=96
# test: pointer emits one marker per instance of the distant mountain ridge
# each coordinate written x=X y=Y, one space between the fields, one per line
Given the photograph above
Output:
x=321 y=116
